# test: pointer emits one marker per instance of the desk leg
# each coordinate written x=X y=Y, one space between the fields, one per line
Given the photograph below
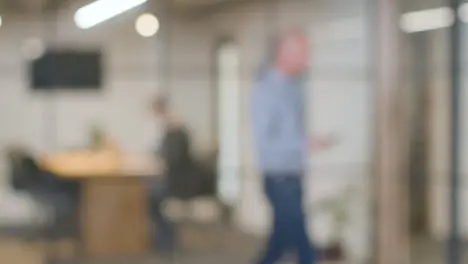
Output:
x=114 y=218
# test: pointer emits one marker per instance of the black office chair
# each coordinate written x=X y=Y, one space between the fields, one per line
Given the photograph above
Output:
x=198 y=185
x=17 y=178
x=199 y=179
x=47 y=189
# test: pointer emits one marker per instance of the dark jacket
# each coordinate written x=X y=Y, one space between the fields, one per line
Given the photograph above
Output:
x=175 y=151
x=185 y=177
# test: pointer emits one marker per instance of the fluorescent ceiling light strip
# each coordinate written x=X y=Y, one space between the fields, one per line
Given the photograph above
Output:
x=425 y=20
x=101 y=10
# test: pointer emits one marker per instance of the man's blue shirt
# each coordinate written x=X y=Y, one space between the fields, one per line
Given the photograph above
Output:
x=278 y=123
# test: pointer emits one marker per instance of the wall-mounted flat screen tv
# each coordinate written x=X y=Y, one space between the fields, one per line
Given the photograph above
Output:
x=67 y=69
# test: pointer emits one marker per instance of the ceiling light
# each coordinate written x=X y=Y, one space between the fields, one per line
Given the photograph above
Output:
x=101 y=10
x=425 y=20
x=147 y=25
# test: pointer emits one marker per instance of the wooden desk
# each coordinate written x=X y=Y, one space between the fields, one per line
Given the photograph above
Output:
x=113 y=209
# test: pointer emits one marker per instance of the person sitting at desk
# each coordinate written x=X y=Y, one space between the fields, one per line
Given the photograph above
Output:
x=174 y=151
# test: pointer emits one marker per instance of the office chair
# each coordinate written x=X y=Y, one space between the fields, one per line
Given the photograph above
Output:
x=194 y=189
x=62 y=197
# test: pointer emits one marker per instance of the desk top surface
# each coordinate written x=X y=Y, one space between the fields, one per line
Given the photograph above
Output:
x=101 y=164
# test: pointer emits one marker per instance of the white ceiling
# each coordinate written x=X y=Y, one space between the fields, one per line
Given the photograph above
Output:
x=33 y=6
x=196 y=2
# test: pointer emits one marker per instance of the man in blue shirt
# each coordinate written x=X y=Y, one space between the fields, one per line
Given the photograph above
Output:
x=282 y=146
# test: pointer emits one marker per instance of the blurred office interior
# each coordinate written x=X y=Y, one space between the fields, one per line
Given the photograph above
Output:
x=379 y=78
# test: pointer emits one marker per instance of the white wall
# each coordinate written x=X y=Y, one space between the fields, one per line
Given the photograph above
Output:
x=342 y=103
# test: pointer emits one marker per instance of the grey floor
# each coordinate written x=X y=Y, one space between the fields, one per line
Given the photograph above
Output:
x=200 y=244
x=231 y=247
x=213 y=244
x=425 y=251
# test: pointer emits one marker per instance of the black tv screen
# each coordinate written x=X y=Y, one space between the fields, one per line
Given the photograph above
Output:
x=67 y=69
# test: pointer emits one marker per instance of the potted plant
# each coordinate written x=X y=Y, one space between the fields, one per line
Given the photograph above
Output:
x=96 y=136
x=338 y=207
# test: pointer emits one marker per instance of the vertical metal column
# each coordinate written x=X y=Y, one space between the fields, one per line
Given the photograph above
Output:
x=50 y=21
x=392 y=244
x=165 y=81
x=455 y=68
x=271 y=29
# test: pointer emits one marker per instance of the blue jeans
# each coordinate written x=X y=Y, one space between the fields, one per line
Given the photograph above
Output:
x=289 y=233
x=164 y=235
